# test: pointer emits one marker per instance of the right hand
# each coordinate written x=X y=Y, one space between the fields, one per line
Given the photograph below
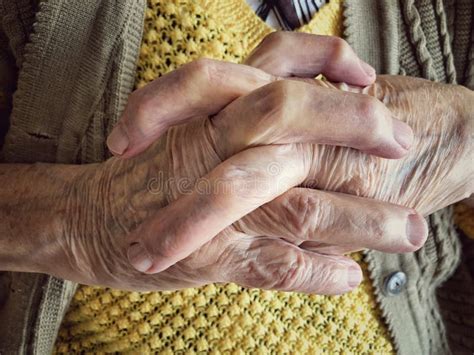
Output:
x=200 y=152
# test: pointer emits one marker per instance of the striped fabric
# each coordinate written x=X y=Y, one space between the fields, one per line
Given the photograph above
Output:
x=286 y=14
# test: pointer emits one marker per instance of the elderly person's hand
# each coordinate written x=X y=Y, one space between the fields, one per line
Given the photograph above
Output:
x=437 y=171
x=441 y=116
x=356 y=173
x=260 y=249
x=192 y=185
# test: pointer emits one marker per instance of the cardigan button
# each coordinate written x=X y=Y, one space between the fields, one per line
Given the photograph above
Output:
x=395 y=283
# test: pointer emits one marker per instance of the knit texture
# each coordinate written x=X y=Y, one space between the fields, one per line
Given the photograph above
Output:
x=222 y=319
x=219 y=318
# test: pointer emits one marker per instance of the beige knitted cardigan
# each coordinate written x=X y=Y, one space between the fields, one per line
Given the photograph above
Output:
x=71 y=66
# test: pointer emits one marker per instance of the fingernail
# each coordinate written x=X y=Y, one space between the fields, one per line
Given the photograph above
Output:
x=117 y=140
x=355 y=276
x=403 y=134
x=139 y=258
x=417 y=229
x=367 y=69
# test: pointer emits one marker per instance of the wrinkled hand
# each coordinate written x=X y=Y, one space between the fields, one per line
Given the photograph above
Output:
x=437 y=171
x=202 y=177
x=435 y=174
x=320 y=222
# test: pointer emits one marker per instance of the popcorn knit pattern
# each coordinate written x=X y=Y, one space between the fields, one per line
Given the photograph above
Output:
x=220 y=319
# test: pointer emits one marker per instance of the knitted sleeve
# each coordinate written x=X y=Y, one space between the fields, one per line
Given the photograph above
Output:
x=437 y=40
x=16 y=24
x=433 y=39
x=7 y=84
x=460 y=25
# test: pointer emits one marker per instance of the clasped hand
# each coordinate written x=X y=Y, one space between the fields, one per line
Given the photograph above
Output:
x=259 y=175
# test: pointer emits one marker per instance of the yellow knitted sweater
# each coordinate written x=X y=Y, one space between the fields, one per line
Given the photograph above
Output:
x=219 y=318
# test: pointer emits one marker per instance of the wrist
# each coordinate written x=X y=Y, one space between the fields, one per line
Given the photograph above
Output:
x=102 y=205
x=33 y=207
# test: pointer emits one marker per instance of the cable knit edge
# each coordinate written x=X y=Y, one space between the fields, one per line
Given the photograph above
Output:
x=446 y=42
x=418 y=39
x=470 y=70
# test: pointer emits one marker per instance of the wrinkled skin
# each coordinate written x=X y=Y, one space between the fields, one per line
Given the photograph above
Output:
x=439 y=168
x=434 y=174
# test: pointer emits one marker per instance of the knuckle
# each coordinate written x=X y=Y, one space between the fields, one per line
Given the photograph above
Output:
x=276 y=42
x=139 y=106
x=202 y=69
x=289 y=272
x=237 y=173
x=372 y=122
x=279 y=93
x=166 y=249
x=280 y=89
x=277 y=100
x=368 y=106
x=291 y=277
x=304 y=212
x=239 y=180
x=376 y=224
x=275 y=38
x=328 y=278
x=138 y=103
x=340 y=51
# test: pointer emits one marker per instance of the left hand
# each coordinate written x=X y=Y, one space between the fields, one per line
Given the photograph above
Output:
x=438 y=169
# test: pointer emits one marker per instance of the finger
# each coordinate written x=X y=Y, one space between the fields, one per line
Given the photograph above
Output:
x=230 y=191
x=325 y=219
x=279 y=265
x=289 y=111
x=305 y=55
x=202 y=87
